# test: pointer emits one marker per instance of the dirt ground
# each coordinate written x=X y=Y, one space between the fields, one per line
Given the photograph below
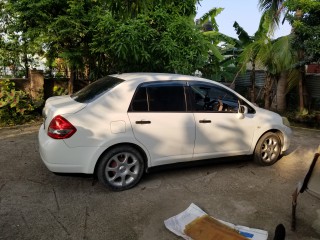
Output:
x=37 y=204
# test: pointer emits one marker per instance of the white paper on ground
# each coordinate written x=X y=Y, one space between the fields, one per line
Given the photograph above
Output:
x=177 y=224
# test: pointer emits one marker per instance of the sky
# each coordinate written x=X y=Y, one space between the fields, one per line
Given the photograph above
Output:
x=245 y=12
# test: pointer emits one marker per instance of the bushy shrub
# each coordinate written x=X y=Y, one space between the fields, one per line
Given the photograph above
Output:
x=59 y=91
x=15 y=106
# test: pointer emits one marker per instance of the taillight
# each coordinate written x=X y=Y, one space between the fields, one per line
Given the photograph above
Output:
x=60 y=128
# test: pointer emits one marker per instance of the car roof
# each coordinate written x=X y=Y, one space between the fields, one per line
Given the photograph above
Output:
x=144 y=76
x=140 y=77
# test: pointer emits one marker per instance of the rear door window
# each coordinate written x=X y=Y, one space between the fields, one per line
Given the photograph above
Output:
x=160 y=97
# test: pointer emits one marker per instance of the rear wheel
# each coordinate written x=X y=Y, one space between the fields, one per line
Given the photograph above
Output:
x=121 y=168
x=268 y=149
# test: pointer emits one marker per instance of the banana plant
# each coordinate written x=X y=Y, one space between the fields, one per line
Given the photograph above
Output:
x=251 y=48
x=221 y=54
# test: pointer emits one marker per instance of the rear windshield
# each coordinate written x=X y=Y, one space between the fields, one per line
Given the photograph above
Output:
x=96 y=89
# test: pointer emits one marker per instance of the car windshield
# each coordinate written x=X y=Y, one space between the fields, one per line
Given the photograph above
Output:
x=96 y=89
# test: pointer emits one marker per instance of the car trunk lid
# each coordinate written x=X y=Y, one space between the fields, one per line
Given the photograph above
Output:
x=60 y=105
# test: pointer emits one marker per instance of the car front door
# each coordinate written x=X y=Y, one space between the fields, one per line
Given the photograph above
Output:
x=160 y=121
x=219 y=130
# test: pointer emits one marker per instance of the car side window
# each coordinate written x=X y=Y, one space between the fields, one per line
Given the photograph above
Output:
x=139 y=102
x=159 y=97
x=210 y=98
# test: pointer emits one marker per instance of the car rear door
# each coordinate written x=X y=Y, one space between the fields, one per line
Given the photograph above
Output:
x=160 y=121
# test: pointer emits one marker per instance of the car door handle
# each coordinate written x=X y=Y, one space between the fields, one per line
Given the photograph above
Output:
x=205 y=121
x=143 y=122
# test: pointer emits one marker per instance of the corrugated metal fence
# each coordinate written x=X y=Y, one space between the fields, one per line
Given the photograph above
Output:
x=243 y=85
x=244 y=80
x=313 y=85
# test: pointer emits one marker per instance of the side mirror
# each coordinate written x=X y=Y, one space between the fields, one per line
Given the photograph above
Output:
x=242 y=111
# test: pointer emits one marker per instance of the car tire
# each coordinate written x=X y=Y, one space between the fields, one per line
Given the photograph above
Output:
x=268 y=149
x=120 y=168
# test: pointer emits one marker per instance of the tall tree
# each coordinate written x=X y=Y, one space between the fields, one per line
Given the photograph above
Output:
x=158 y=41
x=307 y=27
x=251 y=46
x=296 y=11
x=217 y=66
x=278 y=57
x=100 y=37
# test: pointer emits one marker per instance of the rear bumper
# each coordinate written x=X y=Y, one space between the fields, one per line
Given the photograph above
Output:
x=60 y=158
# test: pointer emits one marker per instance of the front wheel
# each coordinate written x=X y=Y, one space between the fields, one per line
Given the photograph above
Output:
x=121 y=168
x=268 y=149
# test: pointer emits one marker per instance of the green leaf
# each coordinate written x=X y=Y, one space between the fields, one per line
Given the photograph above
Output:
x=3 y=103
x=11 y=95
x=242 y=34
x=210 y=16
x=215 y=51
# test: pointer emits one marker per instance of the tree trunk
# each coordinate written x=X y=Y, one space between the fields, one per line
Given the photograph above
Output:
x=301 y=82
x=71 y=80
x=298 y=16
x=25 y=59
x=253 y=82
x=301 y=100
x=281 y=103
x=26 y=65
x=267 y=92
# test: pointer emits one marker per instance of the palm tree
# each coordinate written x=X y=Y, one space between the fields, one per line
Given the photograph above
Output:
x=278 y=57
x=274 y=8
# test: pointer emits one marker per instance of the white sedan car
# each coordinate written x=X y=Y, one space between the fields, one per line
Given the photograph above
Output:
x=121 y=125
